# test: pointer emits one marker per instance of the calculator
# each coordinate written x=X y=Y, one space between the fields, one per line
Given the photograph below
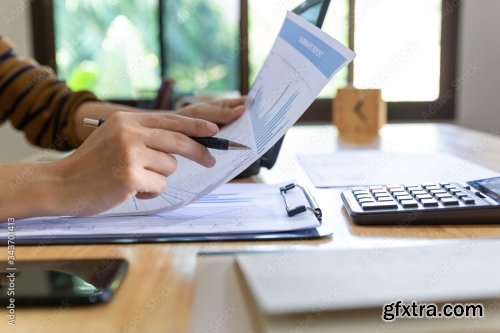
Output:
x=472 y=202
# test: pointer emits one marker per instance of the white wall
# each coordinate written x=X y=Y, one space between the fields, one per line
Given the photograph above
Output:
x=478 y=102
x=15 y=24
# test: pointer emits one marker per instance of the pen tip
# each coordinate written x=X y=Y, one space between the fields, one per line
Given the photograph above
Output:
x=239 y=146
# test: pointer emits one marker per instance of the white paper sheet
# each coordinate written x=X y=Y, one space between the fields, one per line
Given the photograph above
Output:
x=230 y=209
x=360 y=168
x=458 y=271
x=301 y=62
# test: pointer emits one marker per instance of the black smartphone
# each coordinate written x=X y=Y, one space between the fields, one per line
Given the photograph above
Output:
x=60 y=282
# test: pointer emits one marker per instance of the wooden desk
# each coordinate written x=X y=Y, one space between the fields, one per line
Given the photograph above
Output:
x=158 y=291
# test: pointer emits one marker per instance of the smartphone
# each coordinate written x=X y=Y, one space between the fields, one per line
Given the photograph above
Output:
x=60 y=282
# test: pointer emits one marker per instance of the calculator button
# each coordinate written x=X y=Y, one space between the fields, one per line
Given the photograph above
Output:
x=396 y=189
x=365 y=200
x=454 y=190
x=420 y=192
x=404 y=197
x=468 y=200
x=379 y=191
x=429 y=184
x=479 y=194
x=360 y=192
x=414 y=188
x=412 y=185
x=363 y=196
x=460 y=195
x=382 y=199
x=393 y=186
x=442 y=195
x=381 y=194
x=409 y=204
x=449 y=201
x=448 y=186
x=372 y=188
x=433 y=187
x=423 y=196
x=379 y=205
x=429 y=203
x=397 y=194
x=438 y=191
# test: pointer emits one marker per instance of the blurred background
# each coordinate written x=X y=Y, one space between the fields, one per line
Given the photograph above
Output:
x=433 y=59
x=98 y=42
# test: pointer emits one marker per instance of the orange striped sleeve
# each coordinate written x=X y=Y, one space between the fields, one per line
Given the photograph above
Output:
x=36 y=102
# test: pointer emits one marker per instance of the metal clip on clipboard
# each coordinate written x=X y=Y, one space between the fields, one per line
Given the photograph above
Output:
x=313 y=206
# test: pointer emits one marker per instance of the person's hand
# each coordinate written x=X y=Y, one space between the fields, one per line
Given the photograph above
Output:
x=221 y=112
x=131 y=154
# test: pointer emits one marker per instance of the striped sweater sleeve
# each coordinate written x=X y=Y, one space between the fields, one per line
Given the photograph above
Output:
x=36 y=102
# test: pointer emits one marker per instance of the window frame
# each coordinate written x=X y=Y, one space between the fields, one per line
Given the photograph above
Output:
x=42 y=14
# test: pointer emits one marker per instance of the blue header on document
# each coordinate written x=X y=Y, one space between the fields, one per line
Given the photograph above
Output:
x=323 y=56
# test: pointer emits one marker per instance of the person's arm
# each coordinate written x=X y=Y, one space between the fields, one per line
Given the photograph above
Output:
x=131 y=154
x=221 y=112
x=36 y=102
x=27 y=189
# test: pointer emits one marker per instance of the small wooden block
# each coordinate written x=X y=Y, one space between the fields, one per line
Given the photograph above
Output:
x=359 y=113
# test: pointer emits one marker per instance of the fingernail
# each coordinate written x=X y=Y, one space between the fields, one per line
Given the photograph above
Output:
x=212 y=128
x=211 y=161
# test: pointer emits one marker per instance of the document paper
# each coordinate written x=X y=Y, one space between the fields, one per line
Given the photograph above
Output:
x=301 y=62
x=363 y=168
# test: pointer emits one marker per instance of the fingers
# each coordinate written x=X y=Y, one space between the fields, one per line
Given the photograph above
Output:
x=159 y=162
x=219 y=112
x=178 y=123
x=167 y=133
x=152 y=184
x=180 y=144
x=231 y=103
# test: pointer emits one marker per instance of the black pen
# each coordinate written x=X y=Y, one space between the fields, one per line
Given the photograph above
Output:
x=209 y=142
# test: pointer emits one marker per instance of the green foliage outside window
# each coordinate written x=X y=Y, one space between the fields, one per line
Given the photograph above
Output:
x=108 y=46
x=202 y=47
x=113 y=47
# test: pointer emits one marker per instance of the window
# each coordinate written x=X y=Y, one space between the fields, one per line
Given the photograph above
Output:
x=122 y=49
x=107 y=46
x=201 y=44
x=398 y=43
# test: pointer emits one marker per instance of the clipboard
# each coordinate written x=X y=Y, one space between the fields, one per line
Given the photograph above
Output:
x=55 y=232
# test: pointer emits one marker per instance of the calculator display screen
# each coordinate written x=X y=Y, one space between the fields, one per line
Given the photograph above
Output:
x=490 y=187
